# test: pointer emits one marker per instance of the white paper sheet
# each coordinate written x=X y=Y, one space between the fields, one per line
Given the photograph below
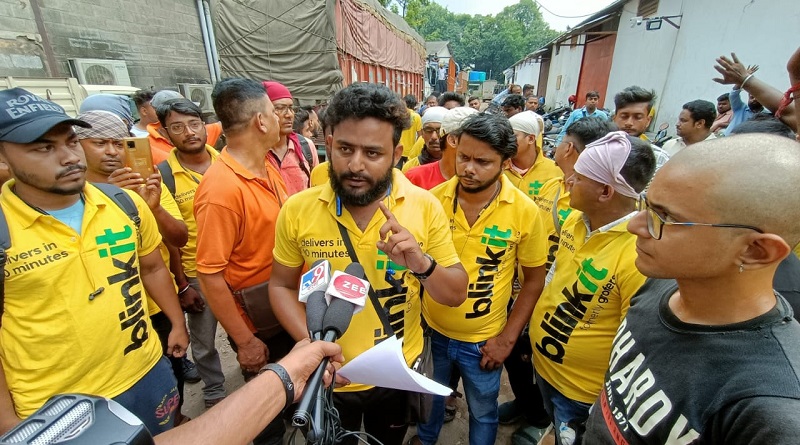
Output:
x=384 y=365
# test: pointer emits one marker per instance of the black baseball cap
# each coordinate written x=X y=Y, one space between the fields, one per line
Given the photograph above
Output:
x=26 y=117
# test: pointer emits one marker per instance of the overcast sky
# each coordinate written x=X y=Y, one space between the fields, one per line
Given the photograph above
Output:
x=568 y=8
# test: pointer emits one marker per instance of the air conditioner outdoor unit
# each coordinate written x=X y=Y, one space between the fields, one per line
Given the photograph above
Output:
x=100 y=71
x=198 y=93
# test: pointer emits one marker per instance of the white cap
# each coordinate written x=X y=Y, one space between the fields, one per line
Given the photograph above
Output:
x=433 y=114
x=526 y=122
x=455 y=117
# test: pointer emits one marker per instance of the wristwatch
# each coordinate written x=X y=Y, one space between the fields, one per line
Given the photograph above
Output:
x=427 y=273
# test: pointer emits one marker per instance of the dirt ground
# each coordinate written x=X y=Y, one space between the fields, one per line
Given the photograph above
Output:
x=453 y=433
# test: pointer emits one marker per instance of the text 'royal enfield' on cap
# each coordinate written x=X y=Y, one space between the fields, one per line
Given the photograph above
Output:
x=26 y=117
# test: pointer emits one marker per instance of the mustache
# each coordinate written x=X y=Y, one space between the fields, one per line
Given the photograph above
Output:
x=70 y=169
x=353 y=176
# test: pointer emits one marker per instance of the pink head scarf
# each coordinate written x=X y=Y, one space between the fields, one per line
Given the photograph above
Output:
x=603 y=159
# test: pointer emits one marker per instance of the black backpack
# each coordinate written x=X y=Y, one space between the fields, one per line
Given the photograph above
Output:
x=115 y=193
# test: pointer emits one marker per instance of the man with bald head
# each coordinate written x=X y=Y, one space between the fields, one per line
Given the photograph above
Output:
x=709 y=352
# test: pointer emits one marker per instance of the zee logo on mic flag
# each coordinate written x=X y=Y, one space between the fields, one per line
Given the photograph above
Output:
x=349 y=288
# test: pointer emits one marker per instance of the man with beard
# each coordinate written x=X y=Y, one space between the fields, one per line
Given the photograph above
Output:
x=724 y=114
x=495 y=227
x=77 y=262
x=529 y=168
x=236 y=205
x=397 y=231
x=182 y=172
x=633 y=115
x=294 y=155
x=429 y=146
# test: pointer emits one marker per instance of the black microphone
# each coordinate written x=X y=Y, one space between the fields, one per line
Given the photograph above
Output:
x=316 y=305
x=334 y=324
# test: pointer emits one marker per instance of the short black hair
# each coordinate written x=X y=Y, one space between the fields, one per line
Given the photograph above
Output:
x=527 y=87
x=593 y=94
x=448 y=96
x=411 y=100
x=724 y=96
x=321 y=115
x=764 y=123
x=634 y=95
x=363 y=100
x=142 y=97
x=236 y=101
x=702 y=109
x=471 y=98
x=589 y=129
x=492 y=129
x=301 y=115
x=640 y=165
x=514 y=101
x=178 y=105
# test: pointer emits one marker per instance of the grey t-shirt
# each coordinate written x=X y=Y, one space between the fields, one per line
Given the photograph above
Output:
x=670 y=382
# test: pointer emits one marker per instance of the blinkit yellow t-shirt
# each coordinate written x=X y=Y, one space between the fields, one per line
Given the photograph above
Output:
x=531 y=182
x=507 y=231
x=186 y=182
x=586 y=296
x=553 y=190
x=298 y=242
x=75 y=317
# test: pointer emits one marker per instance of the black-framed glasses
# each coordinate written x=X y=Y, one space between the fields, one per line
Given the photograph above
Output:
x=179 y=127
x=655 y=223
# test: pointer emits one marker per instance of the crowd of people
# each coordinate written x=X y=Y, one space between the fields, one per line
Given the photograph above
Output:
x=633 y=293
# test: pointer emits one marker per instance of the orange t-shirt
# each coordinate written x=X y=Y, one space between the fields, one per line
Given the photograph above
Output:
x=161 y=146
x=236 y=214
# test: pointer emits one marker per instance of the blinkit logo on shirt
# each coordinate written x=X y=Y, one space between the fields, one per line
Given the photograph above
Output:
x=481 y=291
x=534 y=187
x=560 y=324
x=393 y=299
x=113 y=244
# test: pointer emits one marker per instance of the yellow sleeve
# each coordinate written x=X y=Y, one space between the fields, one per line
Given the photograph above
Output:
x=440 y=240
x=629 y=279
x=319 y=175
x=416 y=122
x=416 y=150
x=169 y=204
x=287 y=251
x=532 y=249
x=148 y=228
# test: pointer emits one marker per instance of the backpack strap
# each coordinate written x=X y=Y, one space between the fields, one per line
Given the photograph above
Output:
x=373 y=297
x=122 y=199
x=167 y=178
x=306 y=149
x=5 y=244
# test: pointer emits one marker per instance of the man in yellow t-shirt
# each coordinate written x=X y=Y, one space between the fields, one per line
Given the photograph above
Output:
x=494 y=226
x=529 y=169
x=185 y=165
x=431 y=140
x=590 y=285
x=553 y=197
x=105 y=160
x=74 y=317
x=398 y=232
x=411 y=133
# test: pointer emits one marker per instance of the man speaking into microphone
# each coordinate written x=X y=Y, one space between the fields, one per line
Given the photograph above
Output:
x=398 y=233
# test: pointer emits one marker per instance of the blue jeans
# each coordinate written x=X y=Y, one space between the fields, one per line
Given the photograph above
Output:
x=561 y=409
x=480 y=387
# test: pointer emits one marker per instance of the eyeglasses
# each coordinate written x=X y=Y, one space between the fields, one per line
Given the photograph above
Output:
x=284 y=109
x=179 y=127
x=655 y=223
x=429 y=131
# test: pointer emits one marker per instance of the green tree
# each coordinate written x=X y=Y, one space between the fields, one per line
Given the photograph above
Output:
x=491 y=43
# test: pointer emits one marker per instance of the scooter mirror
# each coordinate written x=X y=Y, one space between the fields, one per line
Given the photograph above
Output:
x=663 y=126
